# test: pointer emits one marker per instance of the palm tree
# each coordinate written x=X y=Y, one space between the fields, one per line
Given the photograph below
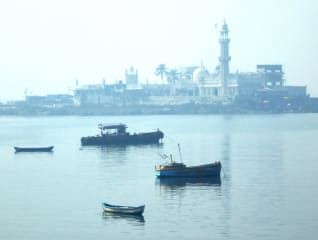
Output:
x=173 y=76
x=161 y=70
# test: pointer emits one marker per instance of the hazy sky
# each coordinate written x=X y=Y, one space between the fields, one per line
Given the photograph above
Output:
x=46 y=45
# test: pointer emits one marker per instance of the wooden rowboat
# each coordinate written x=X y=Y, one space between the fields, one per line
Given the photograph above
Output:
x=123 y=209
x=34 y=149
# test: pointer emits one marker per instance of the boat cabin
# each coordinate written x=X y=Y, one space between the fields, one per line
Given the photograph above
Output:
x=112 y=129
x=169 y=165
x=172 y=165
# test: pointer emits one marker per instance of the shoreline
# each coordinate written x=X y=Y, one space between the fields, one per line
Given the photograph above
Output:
x=184 y=109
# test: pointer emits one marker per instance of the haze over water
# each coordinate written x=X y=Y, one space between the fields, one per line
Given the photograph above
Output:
x=268 y=186
x=47 y=45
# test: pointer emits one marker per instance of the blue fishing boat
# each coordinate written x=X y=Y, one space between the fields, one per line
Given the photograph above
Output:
x=179 y=169
x=123 y=209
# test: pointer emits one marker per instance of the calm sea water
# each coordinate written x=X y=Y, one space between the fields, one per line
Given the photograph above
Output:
x=268 y=189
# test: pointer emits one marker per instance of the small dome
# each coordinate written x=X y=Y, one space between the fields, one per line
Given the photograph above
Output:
x=200 y=74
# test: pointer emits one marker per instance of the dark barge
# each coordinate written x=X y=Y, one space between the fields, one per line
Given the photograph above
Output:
x=116 y=134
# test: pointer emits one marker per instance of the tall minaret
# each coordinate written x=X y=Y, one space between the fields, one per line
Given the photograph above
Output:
x=224 y=56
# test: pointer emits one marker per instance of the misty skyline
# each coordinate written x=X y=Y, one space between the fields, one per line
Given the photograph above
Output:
x=47 y=45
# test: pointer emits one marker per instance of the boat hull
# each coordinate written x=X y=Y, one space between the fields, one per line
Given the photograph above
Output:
x=123 y=209
x=34 y=149
x=123 y=139
x=207 y=170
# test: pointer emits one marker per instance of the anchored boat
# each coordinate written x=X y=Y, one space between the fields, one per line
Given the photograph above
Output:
x=34 y=149
x=123 y=209
x=116 y=134
x=179 y=169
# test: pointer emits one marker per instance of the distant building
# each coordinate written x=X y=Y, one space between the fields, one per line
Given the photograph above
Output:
x=99 y=94
x=271 y=75
x=51 y=100
x=131 y=76
x=268 y=81
x=249 y=83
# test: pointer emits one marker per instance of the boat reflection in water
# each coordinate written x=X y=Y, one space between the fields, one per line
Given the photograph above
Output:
x=188 y=181
x=128 y=217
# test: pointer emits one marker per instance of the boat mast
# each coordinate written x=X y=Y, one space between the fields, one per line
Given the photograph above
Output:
x=171 y=158
x=180 y=152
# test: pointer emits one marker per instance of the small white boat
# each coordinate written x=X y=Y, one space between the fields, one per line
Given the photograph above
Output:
x=123 y=209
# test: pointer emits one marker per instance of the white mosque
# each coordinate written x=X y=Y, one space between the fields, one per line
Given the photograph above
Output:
x=202 y=85
x=220 y=83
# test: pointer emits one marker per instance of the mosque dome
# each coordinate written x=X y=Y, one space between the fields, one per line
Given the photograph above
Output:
x=200 y=74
